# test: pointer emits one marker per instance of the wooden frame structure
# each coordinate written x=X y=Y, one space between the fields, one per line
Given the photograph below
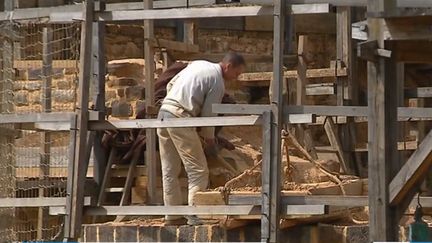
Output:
x=392 y=189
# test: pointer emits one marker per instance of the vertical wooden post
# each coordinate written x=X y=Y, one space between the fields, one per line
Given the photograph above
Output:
x=271 y=187
x=301 y=71
x=99 y=71
x=47 y=38
x=382 y=133
x=400 y=83
x=190 y=32
x=77 y=174
x=343 y=52
x=344 y=85
x=303 y=132
x=265 y=178
x=149 y=99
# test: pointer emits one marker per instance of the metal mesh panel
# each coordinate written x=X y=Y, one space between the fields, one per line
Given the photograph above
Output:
x=33 y=162
x=24 y=71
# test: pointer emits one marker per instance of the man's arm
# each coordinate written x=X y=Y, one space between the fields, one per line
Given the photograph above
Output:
x=214 y=96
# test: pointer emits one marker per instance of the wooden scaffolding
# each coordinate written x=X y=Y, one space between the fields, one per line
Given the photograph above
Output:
x=393 y=26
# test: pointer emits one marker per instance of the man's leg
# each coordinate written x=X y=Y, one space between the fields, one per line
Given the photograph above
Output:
x=171 y=168
x=189 y=147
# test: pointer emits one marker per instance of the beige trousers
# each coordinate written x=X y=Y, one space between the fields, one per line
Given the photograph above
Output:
x=177 y=146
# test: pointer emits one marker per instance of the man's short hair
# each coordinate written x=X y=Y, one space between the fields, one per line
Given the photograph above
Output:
x=234 y=58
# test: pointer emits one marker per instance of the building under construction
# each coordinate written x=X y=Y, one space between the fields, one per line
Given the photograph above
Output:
x=324 y=138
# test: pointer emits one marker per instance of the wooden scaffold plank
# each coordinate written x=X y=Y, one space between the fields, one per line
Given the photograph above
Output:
x=412 y=172
x=47 y=38
x=271 y=175
x=382 y=132
x=99 y=72
x=79 y=164
x=151 y=139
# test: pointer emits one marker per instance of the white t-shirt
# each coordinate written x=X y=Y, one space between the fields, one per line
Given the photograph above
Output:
x=195 y=89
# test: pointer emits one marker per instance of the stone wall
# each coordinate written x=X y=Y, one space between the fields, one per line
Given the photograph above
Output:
x=321 y=233
x=28 y=89
x=126 y=41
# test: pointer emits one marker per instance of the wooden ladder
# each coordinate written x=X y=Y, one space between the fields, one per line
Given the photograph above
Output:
x=126 y=190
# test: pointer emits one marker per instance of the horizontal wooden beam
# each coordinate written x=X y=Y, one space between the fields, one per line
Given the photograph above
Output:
x=330 y=200
x=71 y=12
x=35 y=202
x=189 y=13
x=176 y=122
x=184 y=13
x=193 y=210
x=36 y=117
x=353 y=3
x=412 y=172
x=217 y=57
x=166 y=210
x=321 y=89
x=44 y=12
x=401 y=28
x=310 y=73
x=176 y=45
x=412 y=51
x=43 y=117
x=320 y=110
x=419 y=92
x=62 y=172
x=402 y=146
x=36 y=64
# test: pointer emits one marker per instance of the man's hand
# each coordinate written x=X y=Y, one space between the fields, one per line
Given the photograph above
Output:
x=210 y=147
x=210 y=141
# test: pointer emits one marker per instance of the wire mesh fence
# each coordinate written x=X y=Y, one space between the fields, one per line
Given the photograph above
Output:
x=39 y=74
x=34 y=54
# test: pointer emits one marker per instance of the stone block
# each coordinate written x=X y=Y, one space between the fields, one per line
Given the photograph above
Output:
x=201 y=234
x=33 y=85
x=90 y=233
x=139 y=106
x=21 y=98
x=126 y=67
x=252 y=233
x=134 y=92
x=58 y=72
x=69 y=71
x=357 y=234
x=124 y=82
x=216 y=234
x=18 y=85
x=63 y=96
x=35 y=97
x=121 y=109
x=331 y=233
x=34 y=74
x=110 y=94
x=63 y=84
x=121 y=93
x=126 y=233
x=300 y=234
x=186 y=233
x=149 y=234
x=106 y=233
x=21 y=74
x=168 y=234
x=234 y=235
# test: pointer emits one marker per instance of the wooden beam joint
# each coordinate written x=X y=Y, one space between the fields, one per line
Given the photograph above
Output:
x=369 y=51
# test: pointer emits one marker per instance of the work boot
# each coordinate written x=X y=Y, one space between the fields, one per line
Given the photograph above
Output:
x=174 y=222
x=194 y=220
